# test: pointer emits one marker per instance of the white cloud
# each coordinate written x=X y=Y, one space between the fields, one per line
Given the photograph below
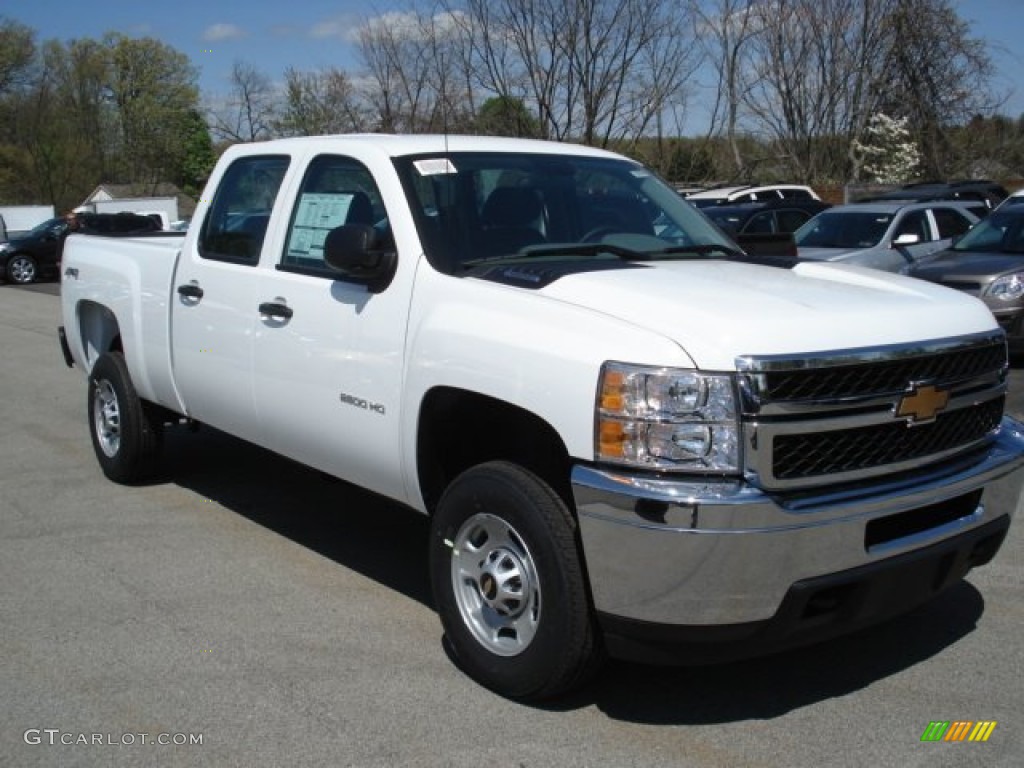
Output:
x=217 y=32
x=403 y=24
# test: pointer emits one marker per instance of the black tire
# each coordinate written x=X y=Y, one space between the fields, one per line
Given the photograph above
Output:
x=22 y=269
x=509 y=584
x=125 y=438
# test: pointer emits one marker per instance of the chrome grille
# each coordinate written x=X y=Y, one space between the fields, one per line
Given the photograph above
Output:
x=881 y=377
x=828 y=453
x=833 y=417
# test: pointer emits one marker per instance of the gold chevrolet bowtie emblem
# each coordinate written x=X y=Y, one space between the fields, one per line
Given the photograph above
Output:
x=922 y=403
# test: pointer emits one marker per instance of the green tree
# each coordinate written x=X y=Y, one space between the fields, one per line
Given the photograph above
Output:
x=507 y=116
x=154 y=89
x=199 y=156
x=17 y=54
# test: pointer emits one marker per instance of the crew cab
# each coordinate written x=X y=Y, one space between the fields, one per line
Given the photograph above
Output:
x=630 y=437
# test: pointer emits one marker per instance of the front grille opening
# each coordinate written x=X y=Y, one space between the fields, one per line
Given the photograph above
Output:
x=898 y=526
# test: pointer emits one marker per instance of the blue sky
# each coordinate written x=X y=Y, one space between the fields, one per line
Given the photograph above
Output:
x=309 y=34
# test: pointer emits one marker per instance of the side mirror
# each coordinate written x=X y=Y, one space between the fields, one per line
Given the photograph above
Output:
x=906 y=239
x=356 y=251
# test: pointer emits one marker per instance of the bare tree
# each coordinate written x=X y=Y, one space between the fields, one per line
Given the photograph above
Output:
x=247 y=112
x=597 y=71
x=318 y=103
x=939 y=75
x=817 y=66
x=724 y=32
x=416 y=73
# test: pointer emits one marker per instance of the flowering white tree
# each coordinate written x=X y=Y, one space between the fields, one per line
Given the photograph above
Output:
x=888 y=154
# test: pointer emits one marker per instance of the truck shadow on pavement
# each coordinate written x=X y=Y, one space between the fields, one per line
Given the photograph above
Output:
x=362 y=531
x=772 y=686
x=387 y=542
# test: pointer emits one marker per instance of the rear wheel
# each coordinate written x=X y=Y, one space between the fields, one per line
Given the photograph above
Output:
x=22 y=269
x=125 y=438
x=509 y=584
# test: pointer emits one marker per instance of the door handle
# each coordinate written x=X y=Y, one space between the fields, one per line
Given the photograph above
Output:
x=276 y=309
x=190 y=291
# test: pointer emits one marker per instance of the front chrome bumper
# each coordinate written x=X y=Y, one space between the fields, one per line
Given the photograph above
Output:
x=713 y=553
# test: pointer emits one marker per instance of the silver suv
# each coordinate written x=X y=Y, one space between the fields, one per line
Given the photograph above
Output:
x=888 y=236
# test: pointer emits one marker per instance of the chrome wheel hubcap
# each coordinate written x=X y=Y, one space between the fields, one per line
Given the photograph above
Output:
x=107 y=418
x=496 y=584
x=22 y=271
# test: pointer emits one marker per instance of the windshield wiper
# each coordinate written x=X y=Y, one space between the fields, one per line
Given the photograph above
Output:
x=596 y=249
x=700 y=250
x=570 y=249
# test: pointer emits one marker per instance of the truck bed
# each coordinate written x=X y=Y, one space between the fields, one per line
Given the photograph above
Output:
x=131 y=277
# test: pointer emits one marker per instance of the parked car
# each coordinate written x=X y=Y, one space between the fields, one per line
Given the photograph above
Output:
x=1014 y=199
x=985 y=195
x=765 y=229
x=751 y=194
x=987 y=262
x=888 y=236
x=36 y=254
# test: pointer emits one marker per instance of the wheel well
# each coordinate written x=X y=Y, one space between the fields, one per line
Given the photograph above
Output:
x=459 y=429
x=99 y=330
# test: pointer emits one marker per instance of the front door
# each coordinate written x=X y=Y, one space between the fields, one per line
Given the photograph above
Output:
x=328 y=354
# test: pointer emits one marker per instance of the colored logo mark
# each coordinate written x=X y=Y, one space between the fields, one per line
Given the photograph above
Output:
x=958 y=730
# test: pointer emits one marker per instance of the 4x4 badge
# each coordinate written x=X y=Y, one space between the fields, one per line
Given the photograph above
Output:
x=922 y=403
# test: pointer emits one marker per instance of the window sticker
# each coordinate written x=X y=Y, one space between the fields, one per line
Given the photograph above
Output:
x=434 y=166
x=318 y=214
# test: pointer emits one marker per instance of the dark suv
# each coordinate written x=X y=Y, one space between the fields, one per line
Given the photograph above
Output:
x=987 y=194
x=27 y=258
x=765 y=229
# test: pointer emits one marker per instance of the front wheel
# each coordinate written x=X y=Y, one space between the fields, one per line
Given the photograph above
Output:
x=509 y=583
x=22 y=269
x=125 y=438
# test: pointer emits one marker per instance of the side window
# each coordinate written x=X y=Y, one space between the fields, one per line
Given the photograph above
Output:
x=950 y=223
x=760 y=223
x=236 y=225
x=915 y=223
x=791 y=220
x=335 y=191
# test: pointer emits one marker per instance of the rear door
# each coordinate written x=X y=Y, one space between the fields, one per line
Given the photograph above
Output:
x=214 y=310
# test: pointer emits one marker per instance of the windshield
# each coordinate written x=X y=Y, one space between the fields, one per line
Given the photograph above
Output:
x=1001 y=232
x=472 y=208
x=843 y=229
x=54 y=226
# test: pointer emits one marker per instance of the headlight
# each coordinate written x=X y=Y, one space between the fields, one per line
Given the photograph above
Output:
x=1007 y=287
x=4 y=247
x=665 y=418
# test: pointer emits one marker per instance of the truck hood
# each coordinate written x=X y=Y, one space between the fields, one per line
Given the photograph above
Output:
x=720 y=310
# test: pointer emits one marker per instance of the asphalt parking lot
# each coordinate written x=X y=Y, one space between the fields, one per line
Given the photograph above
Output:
x=283 y=618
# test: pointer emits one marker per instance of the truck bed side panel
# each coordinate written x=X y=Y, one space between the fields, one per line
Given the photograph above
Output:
x=123 y=281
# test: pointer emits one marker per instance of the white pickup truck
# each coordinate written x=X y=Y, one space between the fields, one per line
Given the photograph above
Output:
x=630 y=437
